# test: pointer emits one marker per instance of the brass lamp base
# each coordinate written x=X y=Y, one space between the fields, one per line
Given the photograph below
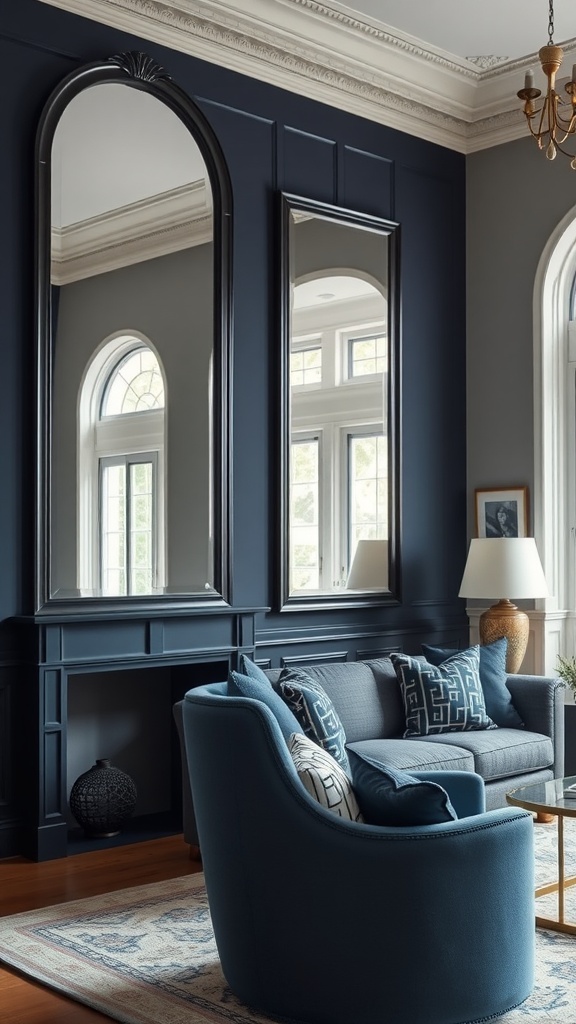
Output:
x=505 y=619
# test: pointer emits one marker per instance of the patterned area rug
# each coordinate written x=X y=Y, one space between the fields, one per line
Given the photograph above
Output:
x=147 y=955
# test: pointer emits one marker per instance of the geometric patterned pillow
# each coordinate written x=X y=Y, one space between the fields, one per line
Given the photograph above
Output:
x=316 y=714
x=444 y=698
x=323 y=778
x=493 y=678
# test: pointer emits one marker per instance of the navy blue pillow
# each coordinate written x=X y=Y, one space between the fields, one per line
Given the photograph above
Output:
x=492 y=677
x=443 y=698
x=245 y=686
x=387 y=796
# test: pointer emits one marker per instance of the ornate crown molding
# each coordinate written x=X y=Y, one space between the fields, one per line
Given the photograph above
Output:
x=143 y=230
x=487 y=61
x=352 y=64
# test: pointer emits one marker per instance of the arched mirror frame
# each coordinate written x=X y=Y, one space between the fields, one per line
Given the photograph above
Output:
x=287 y=601
x=139 y=71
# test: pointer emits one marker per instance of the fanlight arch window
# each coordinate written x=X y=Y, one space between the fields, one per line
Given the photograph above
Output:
x=134 y=384
x=121 y=460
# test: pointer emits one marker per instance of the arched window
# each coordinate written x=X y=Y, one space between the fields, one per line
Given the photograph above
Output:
x=121 y=457
x=555 y=440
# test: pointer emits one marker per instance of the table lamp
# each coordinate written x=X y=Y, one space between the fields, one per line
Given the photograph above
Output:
x=504 y=565
x=369 y=569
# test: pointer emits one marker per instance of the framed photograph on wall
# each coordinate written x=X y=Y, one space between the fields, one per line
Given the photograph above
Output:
x=502 y=512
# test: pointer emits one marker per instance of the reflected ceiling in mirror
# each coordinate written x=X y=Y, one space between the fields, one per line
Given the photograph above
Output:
x=339 y=411
x=133 y=293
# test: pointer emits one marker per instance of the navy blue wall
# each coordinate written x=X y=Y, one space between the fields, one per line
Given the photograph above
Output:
x=272 y=140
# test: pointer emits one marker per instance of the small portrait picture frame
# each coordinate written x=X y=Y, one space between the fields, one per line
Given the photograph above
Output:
x=502 y=512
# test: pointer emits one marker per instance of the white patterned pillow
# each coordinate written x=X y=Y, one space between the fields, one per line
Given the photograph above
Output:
x=447 y=698
x=323 y=778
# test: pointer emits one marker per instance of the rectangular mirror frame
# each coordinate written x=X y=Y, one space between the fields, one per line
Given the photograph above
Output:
x=288 y=205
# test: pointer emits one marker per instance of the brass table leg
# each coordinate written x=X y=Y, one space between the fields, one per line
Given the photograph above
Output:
x=563 y=883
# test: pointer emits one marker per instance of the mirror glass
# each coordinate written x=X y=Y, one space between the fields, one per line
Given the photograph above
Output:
x=340 y=488
x=133 y=353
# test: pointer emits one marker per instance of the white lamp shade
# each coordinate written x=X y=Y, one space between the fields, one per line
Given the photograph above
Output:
x=369 y=569
x=503 y=567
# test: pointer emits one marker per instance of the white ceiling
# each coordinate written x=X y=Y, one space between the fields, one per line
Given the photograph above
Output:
x=114 y=147
x=322 y=290
x=470 y=28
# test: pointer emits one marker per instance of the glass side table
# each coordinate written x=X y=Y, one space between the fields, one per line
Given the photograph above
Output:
x=549 y=798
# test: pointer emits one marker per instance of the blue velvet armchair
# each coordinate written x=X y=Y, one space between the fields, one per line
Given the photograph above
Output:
x=328 y=921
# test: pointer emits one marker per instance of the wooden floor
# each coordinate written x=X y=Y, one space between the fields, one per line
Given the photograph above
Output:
x=25 y=885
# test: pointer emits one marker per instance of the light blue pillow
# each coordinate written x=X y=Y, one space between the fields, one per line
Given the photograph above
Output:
x=245 y=686
x=315 y=712
x=493 y=676
x=447 y=698
x=387 y=796
x=250 y=668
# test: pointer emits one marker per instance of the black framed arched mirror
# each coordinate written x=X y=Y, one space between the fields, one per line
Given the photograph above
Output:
x=133 y=285
x=339 y=522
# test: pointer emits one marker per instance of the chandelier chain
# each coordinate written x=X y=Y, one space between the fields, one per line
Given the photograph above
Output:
x=550 y=22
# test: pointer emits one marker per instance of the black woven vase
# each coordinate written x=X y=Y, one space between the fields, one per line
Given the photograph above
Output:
x=102 y=799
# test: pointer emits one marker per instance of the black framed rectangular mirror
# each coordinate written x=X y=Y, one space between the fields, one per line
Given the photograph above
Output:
x=339 y=407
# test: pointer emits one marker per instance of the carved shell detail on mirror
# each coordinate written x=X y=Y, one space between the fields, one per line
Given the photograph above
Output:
x=140 y=65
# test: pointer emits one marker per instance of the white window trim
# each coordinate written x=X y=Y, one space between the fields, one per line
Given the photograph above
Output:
x=141 y=432
x=368 y=330
x=554 y=502
x=333 y=497
x=318 y=436
x=128 y=459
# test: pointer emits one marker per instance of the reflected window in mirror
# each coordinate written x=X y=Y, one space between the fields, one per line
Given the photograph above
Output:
x=340 y=412
x=337 y=362
x=133 y=264
x=121 y=466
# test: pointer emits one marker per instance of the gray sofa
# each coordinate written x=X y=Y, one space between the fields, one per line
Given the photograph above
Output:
x=367 y=697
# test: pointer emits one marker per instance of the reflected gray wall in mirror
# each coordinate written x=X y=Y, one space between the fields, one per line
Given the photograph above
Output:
x=133 y=286
x=338 y=531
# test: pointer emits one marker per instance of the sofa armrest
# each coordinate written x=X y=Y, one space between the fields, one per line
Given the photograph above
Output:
x=539 y=700
x=465 y=789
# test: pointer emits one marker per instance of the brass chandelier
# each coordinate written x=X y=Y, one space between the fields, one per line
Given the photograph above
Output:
x=551 y=124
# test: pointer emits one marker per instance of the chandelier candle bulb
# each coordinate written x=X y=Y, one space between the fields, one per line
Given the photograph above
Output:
x=529 y=79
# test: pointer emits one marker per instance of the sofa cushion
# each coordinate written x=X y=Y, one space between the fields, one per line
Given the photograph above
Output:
x=420 y=755
x=443 y=699
x=323 y=778
x=388 y=796
x=318 y=718
x=392 y=721
x=499 y=753
x=493 y=677
x=360 y=700
x=240 y=685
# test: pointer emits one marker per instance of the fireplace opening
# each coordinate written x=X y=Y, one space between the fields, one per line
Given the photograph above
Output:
x=126 y=716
